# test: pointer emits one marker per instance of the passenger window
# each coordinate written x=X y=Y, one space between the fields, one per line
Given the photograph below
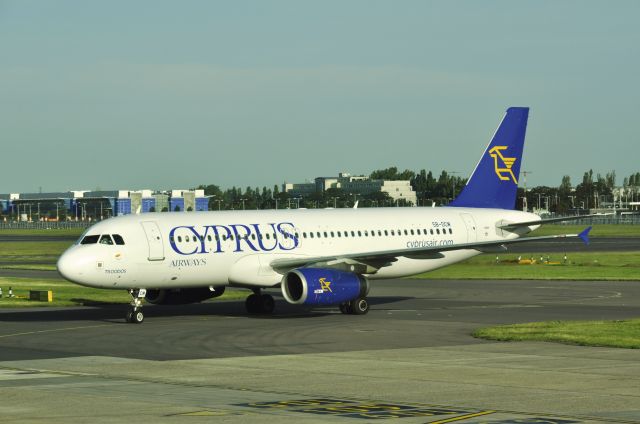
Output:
x=268 y=238
x=118 y=239
x=393 y=233
x=90 y=240
x=406 y=233
x=418 y=231
x=353 y=233
x=325 y=234
x=186 y=238
x=431 y=231
x=318 y=234
x=253 y=236
x=412 y=232
x=106 y=239
x=179 y=239
x=359 y=233
x=339 y=234
x=311 y=234
x=386 y=233
x=450 y=231
x=379 y=233
x=438 y=231
x=332 y=234
x=304 y=235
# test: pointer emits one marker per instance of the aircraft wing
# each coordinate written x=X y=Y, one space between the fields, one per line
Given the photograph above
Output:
x=377 y=259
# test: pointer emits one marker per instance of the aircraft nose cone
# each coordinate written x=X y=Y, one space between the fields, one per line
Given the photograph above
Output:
x=70 y=266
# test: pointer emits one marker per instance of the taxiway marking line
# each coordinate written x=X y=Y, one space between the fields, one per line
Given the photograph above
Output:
x=462 y=417
x=52 y=331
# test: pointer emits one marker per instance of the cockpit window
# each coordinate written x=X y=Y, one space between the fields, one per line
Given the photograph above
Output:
x=118 y=239
x=106 y=239
x=90 y=239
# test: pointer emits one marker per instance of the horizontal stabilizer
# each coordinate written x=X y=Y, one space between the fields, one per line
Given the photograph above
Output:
x=584 y=236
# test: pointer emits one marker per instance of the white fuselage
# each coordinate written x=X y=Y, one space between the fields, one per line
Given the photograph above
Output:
x=191 y=249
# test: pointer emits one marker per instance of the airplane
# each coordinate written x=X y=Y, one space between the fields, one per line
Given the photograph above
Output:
x=318 y=257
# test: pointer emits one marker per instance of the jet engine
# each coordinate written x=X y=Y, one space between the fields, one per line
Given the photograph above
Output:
x=318 y=286
x=182 y=296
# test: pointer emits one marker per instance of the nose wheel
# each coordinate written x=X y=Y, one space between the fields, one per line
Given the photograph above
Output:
x=134 y=313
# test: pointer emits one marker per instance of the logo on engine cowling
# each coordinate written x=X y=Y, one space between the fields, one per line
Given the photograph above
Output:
x=325 y=285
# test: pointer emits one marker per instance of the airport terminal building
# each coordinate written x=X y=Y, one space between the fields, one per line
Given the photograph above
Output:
x=85 y=205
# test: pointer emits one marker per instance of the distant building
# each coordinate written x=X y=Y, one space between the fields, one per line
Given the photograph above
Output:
x=80 y=205
x=355 y=184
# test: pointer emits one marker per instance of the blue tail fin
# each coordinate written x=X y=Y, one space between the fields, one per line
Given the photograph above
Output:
x=494 y=182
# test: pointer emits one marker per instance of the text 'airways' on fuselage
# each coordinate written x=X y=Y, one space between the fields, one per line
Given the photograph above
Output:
x=283 y=234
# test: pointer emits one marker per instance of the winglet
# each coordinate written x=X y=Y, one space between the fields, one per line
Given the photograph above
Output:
x=584 y=236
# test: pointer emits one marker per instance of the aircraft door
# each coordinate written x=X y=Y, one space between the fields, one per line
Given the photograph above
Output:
x=470 y=223
x=154 y=239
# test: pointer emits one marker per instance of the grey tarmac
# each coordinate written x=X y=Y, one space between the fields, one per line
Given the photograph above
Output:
x=410 y=360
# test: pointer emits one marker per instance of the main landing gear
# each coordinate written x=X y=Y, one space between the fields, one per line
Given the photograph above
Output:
x=134 y=313
x=258 y=303
x=357 y=306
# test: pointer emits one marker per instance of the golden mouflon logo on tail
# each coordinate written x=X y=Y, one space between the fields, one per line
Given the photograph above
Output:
x=503 y=164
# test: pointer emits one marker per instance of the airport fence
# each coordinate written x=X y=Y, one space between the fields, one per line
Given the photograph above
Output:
x=615 y=220
x=44 y=225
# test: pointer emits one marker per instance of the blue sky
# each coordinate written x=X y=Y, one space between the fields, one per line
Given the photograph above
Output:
x=160 y=94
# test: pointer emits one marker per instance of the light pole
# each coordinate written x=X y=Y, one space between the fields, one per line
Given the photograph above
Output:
x=525 y=206
x=453 y=184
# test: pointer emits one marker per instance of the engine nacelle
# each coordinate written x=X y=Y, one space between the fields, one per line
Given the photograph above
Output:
x=182 y=296
x=319 y=286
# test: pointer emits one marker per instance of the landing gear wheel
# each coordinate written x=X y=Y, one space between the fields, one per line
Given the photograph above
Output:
x=134 y=313
x=359 y=306
x=253 y=304
x=267 y=304
x=345 y=308
x=134 y=316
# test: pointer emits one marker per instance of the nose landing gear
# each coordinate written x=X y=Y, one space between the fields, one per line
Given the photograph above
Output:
x=134 y=313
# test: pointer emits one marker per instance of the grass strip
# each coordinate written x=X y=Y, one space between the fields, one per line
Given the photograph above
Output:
x=624 y=334
x=590 y=266
x=69 y=294
x=50 y=232
x=599 y=230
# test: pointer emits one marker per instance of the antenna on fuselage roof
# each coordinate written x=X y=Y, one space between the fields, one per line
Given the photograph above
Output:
x=355 y=206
